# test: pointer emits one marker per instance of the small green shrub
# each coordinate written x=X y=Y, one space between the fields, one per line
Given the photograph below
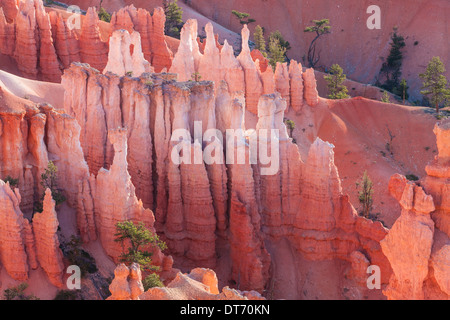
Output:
x=104 y=15
x=151 y=281
x=49 y=180
x=290 y=125
x=13 y=183
x=138 y=236
x=412 y=177
x=77 y=256
x=365 y=195
x=196 y=77
x=17 y=293
x=66 y=295
x=385 y=98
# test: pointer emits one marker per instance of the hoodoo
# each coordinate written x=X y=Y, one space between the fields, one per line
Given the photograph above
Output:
x=252 y=184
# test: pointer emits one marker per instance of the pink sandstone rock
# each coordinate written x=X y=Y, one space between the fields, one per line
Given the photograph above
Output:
x=93 y=49
x=436 y=182
x=310 y=93
x=7 y=35
x=63 y=141
x=183 y=62
x=30 y=244
x=135 y=281
x=202 y=43
x=359 y=267
x=48 y=61
x=38 y=149
x=125 y=54
x=161 y=55
x=200 y=284
x=26 y=52
x=126 y=18
x=231 y=70
x=115 y=199
x=119 y=287
x=65 y=40
x=10 y=7
x=282 y=82
x=408 y=245
x=209 y=65
x=296 y=85
x=49 y=255
x=253 y=83
x=12 y=247
x=263 y=61
x=441 y=267
x=267 y=78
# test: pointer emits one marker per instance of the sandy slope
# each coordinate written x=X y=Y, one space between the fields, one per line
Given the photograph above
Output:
x=358 y=128
x=36 y=91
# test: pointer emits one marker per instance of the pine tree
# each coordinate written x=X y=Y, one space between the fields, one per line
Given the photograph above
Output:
x=435 y=83
x=283 y=43
x=403 y=90
x=174 y=15
x=391 y=69
x=320 y=28
x=137 y=236
x=365 y=195
x=243 y=17
x=335 y=79
x=276 y=52
x=385 y=98
x=260 y=42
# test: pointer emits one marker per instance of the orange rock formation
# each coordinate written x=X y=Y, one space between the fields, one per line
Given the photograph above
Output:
x=199 y=284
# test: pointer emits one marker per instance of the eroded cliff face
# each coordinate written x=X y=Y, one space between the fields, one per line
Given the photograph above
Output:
x=45 y=43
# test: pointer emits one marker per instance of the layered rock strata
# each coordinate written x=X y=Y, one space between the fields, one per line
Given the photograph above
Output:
x=44 y=44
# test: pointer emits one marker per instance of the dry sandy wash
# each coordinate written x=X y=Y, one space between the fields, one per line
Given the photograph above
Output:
x=106 y=103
